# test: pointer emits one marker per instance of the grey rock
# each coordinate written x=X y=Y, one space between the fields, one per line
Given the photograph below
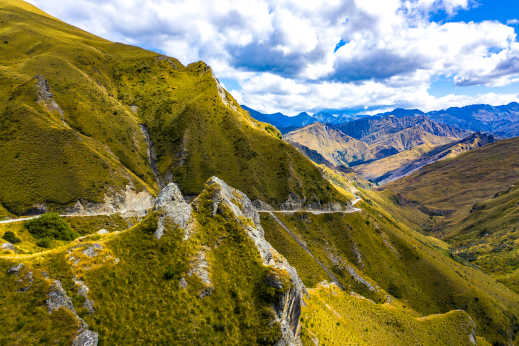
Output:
x=7 y=246
x=86 y=338
x=173 y=206
x=102 y=231
x=83 y=292
x=200 y=268
x=58 y=298
x=15 y=269
x=92 y=250
x=27 y=281
x=182 y=283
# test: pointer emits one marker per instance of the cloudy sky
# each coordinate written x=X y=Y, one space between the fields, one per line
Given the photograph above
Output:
x=308 y=55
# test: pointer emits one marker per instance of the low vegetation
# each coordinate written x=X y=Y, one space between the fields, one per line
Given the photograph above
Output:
x=50 y=226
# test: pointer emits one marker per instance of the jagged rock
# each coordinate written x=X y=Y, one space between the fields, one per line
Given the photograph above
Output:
x=83 y=292
x=27 y=280
x=92 y=250
x=182 y=283
x=200 y=268
x=86 y=338
x=288 y=309
x=358 y=255
x=46 y=96
x=15 y=269
x=173 y=206
x=359 y=278
x=58 y=298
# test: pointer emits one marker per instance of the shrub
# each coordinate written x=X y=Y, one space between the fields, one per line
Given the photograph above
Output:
x=11 y=238
x=51 y=226
x=45 y=243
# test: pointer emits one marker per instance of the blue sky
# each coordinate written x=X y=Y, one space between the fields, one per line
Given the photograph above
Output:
x=307 y=55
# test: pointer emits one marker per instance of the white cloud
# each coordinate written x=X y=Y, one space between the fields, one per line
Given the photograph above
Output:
x=282 y=51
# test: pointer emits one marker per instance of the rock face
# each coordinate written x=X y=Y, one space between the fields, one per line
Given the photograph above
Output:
x=172 y=205
x=288 y=309
x=128 y=203
x=57 y=299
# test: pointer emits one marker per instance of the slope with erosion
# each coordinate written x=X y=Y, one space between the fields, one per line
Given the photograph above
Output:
x=469 y=201
x=377 y=145
x=84 y=116
x=404 y=163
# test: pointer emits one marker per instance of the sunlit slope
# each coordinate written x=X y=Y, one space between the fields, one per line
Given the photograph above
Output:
x=471 y=202
x=374 y=255
x=74 y=105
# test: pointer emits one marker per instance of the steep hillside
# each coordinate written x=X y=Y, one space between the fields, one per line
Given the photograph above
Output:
x=335 y=146
x=187 y=272
x=397 y=139
x=469 y=201
x=503 y=121
x=84 y=116
x=404 y=163
x=374 y=255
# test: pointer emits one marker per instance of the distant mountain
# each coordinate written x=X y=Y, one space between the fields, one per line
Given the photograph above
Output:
x=371 y=129
x=286 y=123
x=283 y=122
x=503 y=121
x=326 y=117
x=408 y=161
x=372 y=139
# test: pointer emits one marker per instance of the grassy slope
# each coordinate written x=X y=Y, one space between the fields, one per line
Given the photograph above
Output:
x=380 y=167
x=334 y=317
x=95 y=145
x=478 y=188
x=138 y=298
x=413 y=268
x=105 y=91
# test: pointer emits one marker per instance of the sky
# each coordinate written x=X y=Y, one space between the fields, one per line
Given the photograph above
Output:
x=366 y=56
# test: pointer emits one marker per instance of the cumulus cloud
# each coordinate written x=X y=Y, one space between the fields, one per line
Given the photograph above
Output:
x=282 y=52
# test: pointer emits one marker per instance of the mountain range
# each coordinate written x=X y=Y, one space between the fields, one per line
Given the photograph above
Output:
x=140 y=204
x=376 y=146
x=501 y=121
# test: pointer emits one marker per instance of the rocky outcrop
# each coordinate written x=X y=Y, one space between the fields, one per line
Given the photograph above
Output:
x=171 y=205
x=46 y=97
x=288 y=309
x=128 y=203
x=57 y=299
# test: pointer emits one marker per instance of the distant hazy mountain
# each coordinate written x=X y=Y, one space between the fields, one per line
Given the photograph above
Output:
x=283 y=122
x=286 y=123
x=503 y=121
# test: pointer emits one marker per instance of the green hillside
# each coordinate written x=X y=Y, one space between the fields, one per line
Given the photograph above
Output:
x=70 y=129
x=89 y=120
x=470 y=202
x=416 y=270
